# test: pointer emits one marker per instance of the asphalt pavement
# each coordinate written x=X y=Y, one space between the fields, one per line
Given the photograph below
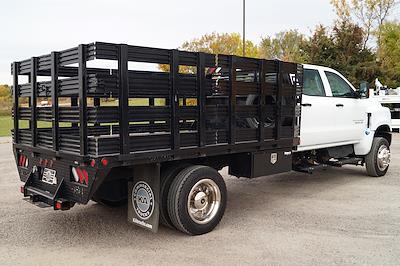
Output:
x=335 y=217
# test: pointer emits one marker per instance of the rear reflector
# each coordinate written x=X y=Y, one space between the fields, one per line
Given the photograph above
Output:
x=75 y=174
x=22 y=189
x=62 y=205
x=80 y=175
x=46 y=162
x=85 y=177
x=58 y=205
x=23 y=160
x=104 y=162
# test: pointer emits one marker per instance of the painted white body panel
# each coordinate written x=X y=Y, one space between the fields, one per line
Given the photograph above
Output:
x=387 y=99
x=333 y=121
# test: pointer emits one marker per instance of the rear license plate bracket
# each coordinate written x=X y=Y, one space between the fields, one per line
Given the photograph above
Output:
x=49 y=176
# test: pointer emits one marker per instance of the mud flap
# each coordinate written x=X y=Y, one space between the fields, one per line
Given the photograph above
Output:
x=144 y=193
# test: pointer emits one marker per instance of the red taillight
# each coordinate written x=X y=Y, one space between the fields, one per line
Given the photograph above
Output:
x=104 y=162
x=80 y=175
x=46 y=162
x=85 y=176
x=23 y=160
x=62 y=205
x=93 y=163
x=22 y=189
x=58 y=205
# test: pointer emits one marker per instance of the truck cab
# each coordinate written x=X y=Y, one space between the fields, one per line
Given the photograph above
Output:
x=339 y=121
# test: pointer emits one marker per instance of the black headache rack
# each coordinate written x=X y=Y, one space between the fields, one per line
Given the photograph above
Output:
x=204 y=105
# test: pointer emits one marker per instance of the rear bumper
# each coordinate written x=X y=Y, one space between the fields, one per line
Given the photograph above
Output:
x=66 y=191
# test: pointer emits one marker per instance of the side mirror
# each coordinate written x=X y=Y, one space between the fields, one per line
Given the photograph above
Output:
x=363 y=91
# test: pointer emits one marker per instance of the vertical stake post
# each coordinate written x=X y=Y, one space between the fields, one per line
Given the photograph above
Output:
x=82 y=99
x=54 y=99
x=278 y=120
x=15 y=69
x=34 y=90
x=174 y=99
x=201 y=87
x=261 y=108
x=123 y=96
x=232 y=100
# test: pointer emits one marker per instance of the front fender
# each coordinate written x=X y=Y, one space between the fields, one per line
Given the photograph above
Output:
x=380 y=117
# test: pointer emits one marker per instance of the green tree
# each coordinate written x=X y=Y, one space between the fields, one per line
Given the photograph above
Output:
x=285 y=45
x=5 y=100
x=389 y=54
x=320 y=50
x=225 y=43
x=216 y=43
x=342 y=49
x=5 y=91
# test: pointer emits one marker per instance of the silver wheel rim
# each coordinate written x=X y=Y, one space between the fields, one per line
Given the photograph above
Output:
x=204 y=201
x=383 y=157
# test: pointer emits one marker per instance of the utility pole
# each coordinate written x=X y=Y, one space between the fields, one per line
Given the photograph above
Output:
x=244 y=27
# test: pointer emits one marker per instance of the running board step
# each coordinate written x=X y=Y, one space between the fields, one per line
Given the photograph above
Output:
x=309 y=169
x=353 y=161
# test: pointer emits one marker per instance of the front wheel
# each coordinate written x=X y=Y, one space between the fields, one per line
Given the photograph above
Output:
x=378 y=160
x=197 y=200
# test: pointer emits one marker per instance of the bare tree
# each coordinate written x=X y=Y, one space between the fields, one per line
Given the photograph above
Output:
x=371 y=14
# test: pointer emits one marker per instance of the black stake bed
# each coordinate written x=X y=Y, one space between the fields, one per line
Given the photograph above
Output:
x=205 y=105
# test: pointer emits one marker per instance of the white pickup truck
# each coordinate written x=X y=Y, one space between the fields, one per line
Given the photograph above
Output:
x=340 y=125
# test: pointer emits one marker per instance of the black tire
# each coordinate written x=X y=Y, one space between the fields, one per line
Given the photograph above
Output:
x=178 y=199
x=167 y=176
x=371 y=160
x=112 y=193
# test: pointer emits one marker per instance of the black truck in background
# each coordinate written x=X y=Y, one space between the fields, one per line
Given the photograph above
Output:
x=161 y=145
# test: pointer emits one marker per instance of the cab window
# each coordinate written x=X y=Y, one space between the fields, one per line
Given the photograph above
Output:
x=313 y=85
x=339 y=87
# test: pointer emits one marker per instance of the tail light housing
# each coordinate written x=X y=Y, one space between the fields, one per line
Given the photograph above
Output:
x=23 y=160
x=46 y=162
x=80 y=175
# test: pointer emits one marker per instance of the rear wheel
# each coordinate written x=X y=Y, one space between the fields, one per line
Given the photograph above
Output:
x=197 y=200
x=378 y=160
x=112 y=193
x=167 y=176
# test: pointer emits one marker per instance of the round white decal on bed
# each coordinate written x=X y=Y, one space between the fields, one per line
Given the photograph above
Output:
x=143 y=200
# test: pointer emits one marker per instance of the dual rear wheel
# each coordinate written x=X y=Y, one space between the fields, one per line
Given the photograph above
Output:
x=193 y=198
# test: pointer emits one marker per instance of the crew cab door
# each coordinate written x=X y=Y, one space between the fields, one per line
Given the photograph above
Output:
x=317 y=112
x=350 y=112
x=331 y=114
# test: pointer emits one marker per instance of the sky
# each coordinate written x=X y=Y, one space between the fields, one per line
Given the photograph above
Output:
x=36 y=27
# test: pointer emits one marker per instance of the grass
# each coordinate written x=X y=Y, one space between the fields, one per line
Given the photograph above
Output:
x=6 y=124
